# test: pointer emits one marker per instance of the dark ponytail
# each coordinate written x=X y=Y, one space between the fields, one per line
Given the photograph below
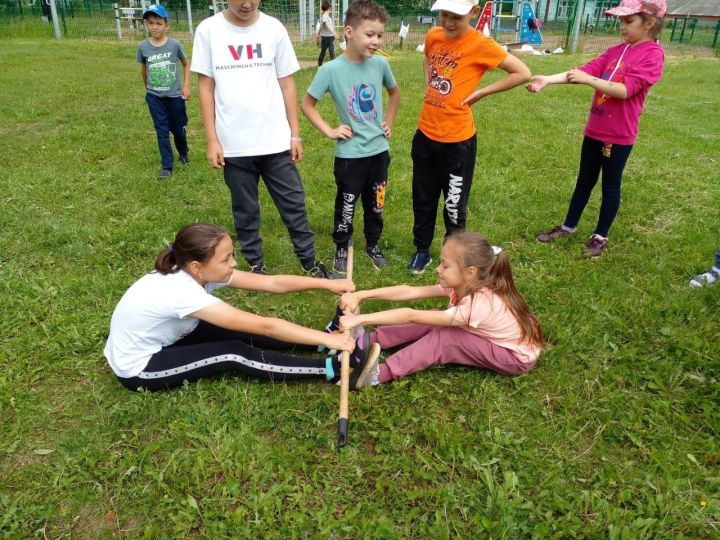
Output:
x=194 y=242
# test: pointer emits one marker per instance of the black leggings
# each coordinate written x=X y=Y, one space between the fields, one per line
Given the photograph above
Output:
x=209 y=350
x=592 y=161
x=327 y=43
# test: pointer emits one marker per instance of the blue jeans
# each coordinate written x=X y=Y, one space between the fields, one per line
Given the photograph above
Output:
x=169 y=116
x=592 y=161
x=717 y=258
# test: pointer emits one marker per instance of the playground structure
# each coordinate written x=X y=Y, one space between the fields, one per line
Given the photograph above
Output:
x=502 y=17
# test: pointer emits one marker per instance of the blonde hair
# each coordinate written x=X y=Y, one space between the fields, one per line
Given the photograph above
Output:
x=493 y=272
x=657 y=26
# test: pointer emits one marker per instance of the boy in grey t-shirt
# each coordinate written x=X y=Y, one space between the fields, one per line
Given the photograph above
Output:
x=355 y=81
x=159 y=56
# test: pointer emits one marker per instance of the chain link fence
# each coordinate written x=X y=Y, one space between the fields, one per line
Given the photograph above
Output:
x=102 y=19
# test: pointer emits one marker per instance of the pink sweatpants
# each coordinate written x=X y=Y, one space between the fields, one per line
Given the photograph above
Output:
x=431 y=345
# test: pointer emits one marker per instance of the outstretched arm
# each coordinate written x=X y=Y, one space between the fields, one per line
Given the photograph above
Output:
x=397 y=316
x=517 y=74
x=350 y=301
x=288 y=283
x=225 y=316
x=287 y=87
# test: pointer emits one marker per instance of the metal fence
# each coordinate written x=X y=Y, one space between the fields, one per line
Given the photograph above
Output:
x=101 y=19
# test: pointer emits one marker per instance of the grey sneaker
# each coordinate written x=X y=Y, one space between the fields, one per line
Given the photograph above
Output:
x=376 y=256
x=708 y=277
x=165 y=173
x=340 y=261
x=595 y=246
x=366 y=374
x=556 y=232
x=319 y=270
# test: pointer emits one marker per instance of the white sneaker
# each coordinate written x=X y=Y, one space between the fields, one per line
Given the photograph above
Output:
x=370 y=372
x=708 y=277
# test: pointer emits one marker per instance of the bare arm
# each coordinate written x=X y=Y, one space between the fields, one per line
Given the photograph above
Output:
x=225 y=316
x=612 y=89
x=308 y=106
x=426 y=70
x=206 y=91
x=287 y=87
x=576 y=76
x=517 y=73
x=186 y=92
x=350 y=301
x=288 y=283
x=143 y=74
x=397 y=316
x=392 y=108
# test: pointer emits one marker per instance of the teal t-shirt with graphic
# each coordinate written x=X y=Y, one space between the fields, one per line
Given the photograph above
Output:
x=162 y=66
x=356 y=90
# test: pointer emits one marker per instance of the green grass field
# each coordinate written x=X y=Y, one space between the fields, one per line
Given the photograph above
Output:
x=614 y=434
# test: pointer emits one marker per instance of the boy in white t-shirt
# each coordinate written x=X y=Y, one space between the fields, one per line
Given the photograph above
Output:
x=245 y=64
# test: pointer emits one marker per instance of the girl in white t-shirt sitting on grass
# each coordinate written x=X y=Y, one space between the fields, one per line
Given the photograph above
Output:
x=169 y=328
x=487 y=325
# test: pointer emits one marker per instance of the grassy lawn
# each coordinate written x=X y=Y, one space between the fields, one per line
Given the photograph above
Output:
x=614 y=434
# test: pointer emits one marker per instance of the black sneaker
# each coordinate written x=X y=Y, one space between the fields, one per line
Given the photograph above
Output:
x=340 y=261
x=319 y=270
x=376 y=256
x=165 y=173
x=258 y=268
x=420 y=261
x=184 y=159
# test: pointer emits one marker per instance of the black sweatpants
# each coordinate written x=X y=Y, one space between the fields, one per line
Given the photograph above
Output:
x=445 y=168
x=242 y=176
x=365 y=178
x=209 y=350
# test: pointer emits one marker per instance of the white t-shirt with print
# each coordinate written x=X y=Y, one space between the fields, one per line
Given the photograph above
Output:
x=246 y=63
x=152 y=314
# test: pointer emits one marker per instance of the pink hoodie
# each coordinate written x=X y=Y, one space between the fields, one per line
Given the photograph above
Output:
x=616 y=120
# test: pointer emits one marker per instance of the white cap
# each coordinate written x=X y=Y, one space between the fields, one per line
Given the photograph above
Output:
x=459 y=7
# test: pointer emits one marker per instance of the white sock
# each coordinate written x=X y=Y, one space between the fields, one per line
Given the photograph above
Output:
x=569 y=229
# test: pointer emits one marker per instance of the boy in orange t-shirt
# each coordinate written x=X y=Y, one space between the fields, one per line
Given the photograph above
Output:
x=445 y=144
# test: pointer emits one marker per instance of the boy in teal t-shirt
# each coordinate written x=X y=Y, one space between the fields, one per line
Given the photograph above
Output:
x=355 y=81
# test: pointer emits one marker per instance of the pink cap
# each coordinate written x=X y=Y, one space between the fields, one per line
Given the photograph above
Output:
x=656 y=8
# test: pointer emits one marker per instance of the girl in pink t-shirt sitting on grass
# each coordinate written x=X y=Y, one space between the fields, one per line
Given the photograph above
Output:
x=487 y=324
x=621 y=77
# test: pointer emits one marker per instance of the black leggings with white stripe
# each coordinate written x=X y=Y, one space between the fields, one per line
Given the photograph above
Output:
x=209 y=350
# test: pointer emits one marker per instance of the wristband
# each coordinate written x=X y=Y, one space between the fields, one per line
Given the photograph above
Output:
x=298 y=139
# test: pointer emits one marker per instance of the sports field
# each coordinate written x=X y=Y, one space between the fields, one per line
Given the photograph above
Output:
x=614 y=434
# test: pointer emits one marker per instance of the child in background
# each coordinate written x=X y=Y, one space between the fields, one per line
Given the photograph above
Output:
x=621 y=77
x=445 y=144
x=709 y=276
x=326 y=33
x=159 y=56
x=487 y=325
x=355 y=82
x=245 y=64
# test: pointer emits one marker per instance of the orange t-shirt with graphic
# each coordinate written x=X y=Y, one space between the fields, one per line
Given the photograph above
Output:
x=456 y=67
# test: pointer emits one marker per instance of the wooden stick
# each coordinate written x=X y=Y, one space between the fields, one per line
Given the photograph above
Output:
x=345 y=371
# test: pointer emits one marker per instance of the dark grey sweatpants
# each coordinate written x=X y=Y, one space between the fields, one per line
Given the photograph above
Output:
x=242 y=176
